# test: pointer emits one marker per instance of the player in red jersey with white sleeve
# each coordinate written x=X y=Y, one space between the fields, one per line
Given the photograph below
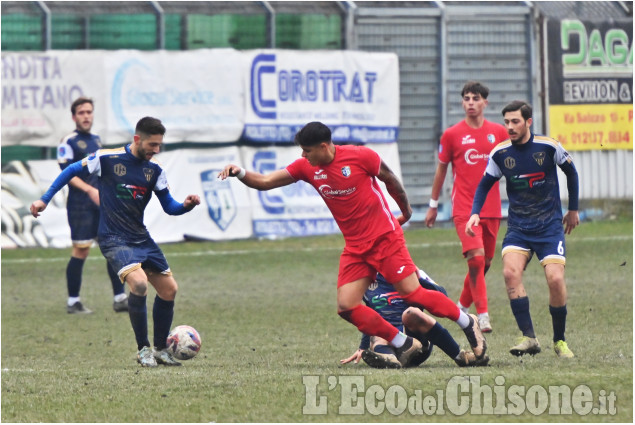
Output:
x=346 y=178
x=466 y=146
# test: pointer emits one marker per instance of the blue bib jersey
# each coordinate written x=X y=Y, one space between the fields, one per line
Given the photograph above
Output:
x=82 y=213
x=535 y=211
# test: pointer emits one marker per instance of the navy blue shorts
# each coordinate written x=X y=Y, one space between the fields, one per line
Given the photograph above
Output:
x=84 y=223
x=549 y=246
x=126 y=257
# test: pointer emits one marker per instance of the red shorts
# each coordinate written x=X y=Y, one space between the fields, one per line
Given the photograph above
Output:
x=486 y=233
x=387 y=255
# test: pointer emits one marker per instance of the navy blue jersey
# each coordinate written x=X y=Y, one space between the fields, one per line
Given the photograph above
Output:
x=382 y=297
x=75 y=147
x=126 y=186
x=532 y=181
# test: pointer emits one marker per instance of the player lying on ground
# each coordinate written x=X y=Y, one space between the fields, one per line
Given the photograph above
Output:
x=378 y=353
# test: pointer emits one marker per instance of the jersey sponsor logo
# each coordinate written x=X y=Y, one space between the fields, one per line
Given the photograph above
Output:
x=346 y=171
x=328 y=192
x=148 y=172
x=319 y=176
x=472 y=156
x=119 y=169
x=130 y=191
x=219 y=197
x=526 y=181
x=491 y=138
x=539 y=157
x=386 y=299
x=509 y=162
x=468 y=140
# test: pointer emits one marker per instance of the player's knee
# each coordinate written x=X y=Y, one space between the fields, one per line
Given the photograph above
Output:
x=511 y=273
x=138 y=287
x=413 y=318
x=169 y=293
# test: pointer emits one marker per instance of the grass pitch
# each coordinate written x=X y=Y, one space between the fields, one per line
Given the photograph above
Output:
x=272 y=340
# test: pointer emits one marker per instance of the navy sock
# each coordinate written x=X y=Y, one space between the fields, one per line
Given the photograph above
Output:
x=117 y=285
x=440 y=337
x=559 y=321
x=74 y=276
x=520 y=309
x=385 y=349
x=162 y=314
x=138 y=313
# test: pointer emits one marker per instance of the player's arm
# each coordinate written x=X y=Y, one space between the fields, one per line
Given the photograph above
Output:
x=76 y=169
x=480 y=195
x=397 y=191
x=91 y=191
x=357 y=355
x=571 y=219
x=255 y=180
x=172 y=206
x=439 y=178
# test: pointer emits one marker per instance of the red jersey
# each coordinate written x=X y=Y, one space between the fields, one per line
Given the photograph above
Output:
x=351 y=192
x=468 y=150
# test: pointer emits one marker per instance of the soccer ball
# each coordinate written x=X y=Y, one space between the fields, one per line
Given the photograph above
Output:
x=184 y=342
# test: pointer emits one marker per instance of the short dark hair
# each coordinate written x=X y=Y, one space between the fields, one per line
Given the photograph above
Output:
x=313 y=134
x=80 y=101
x=149 y=126
x=525 y=108
x=475 y=87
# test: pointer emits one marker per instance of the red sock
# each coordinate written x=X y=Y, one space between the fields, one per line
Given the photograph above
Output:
x=476 y=275
x=466 y=294
x=433 y=301
x=369 y=322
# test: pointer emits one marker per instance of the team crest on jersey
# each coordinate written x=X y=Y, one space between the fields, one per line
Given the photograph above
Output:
x=509 y=162
x=221 y=204
x=346 y=171
x=148 y=172
x=491 y=138
x=539 y=157
x=120 y=169
x=81 y=144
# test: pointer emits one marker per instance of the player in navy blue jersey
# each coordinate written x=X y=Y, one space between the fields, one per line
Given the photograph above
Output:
x=535 y=224
x=127 y=178
x=82 y=208
x=382 y=297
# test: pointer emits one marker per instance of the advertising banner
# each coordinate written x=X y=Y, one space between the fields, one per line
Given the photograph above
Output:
x=591 y=84
x=354 y=93
x=198 y=95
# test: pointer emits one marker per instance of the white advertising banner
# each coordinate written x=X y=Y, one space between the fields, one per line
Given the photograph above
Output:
x=355 y=93
x=298 y=209
x=198 y=95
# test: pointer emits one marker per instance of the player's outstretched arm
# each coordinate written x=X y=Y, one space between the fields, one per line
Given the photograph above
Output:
x=355 y=358
x=397 y=191
x=255 y=180
x=439 y=178
x=37 y=207
x=62 y=180
x=191 y=201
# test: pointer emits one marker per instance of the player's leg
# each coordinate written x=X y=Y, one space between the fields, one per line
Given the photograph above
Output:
x=515 y=257
x=163 y=314
x=552 y=255
x=137 y=281
x=424 y=327
x=74 y=271
x=380 y=354
x=120 y=299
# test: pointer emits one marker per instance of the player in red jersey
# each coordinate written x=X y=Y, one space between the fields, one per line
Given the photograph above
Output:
x=346 y=178
x=466 y=146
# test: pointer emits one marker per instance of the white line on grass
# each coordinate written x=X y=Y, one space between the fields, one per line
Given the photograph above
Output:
x=295 y=249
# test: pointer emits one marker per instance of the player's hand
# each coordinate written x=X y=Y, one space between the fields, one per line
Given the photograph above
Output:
x=37 y=207
x=355 y=358
x=191 y=201
x=93 y=194
x=472 y=222
x=230 y=170
x=570 y=220
x=402 y=219
x=431 y=216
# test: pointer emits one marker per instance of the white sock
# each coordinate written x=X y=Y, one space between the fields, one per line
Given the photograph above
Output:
x=399 y=340
x=462 y=307
x=463 y=321
x=120 y=297
x=481 y=315
x=72 y=300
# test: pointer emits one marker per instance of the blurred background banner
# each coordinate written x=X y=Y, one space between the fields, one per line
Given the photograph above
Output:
x=355 y=93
